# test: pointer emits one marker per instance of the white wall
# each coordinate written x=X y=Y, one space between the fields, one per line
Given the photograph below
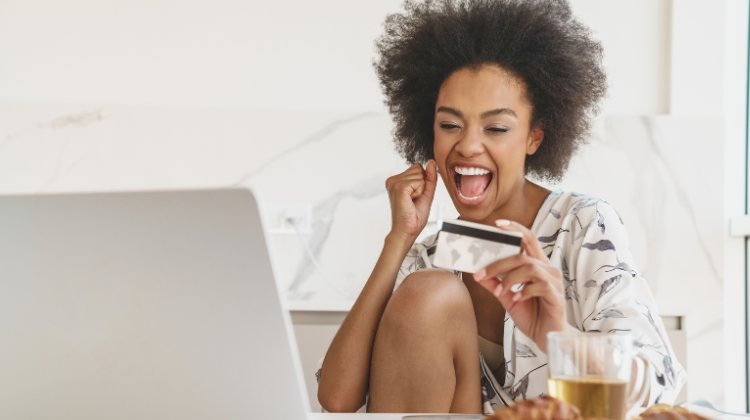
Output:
x=267 y=55
x=636 y=36
x=227 y=53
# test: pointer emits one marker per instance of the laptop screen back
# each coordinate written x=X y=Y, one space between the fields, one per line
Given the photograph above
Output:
x=146 y=305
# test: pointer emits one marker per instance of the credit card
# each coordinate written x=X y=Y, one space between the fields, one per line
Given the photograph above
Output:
x=468 y=247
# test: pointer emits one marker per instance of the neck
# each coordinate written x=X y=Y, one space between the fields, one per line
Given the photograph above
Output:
x=522 y=205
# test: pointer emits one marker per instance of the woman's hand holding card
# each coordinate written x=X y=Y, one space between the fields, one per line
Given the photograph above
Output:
x=528 y=286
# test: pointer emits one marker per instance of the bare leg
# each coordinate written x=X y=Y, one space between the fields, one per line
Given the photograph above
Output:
x=426 y=355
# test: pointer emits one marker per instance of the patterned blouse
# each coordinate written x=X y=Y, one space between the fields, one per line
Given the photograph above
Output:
x=604 y=292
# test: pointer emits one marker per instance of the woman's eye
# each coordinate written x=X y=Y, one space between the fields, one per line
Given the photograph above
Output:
x=449 y=126
x=497 y=129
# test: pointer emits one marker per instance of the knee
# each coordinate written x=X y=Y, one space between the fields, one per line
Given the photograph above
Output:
x=429 y=296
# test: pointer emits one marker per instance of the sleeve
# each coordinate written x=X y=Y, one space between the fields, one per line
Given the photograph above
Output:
x=417 y=258
x=614 y=297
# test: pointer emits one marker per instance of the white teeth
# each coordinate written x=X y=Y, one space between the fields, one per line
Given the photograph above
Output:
x=470 y=171
x=468 y=198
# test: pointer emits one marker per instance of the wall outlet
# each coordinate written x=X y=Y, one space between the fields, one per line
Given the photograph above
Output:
x=289 y=218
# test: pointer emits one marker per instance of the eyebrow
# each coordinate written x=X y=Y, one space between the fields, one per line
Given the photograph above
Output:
x=490 y=113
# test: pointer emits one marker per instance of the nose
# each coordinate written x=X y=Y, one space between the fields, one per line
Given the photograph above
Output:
x=470 y=144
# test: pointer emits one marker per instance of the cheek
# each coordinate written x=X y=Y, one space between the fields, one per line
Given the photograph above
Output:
x=443 y=177
x=440 y=147
x=509 y=156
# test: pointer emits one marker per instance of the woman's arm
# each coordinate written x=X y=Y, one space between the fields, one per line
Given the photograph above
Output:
x=345 y=374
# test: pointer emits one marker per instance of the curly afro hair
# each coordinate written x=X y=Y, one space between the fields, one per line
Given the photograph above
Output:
x=539 y=41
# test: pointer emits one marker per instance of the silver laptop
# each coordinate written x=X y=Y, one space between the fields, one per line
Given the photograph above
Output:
x=143 y=305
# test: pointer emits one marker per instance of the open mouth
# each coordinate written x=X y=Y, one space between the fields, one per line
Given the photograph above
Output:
x=471 y=182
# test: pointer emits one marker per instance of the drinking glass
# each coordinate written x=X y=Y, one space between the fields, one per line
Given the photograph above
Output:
x=593 y=372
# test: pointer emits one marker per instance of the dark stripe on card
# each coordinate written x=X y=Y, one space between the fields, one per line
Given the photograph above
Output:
x=481 y=234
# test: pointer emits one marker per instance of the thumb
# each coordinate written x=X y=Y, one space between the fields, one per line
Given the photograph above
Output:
x=430 y=179
x=424 y=201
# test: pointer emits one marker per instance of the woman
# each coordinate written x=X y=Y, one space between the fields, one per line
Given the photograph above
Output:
x=486 y=93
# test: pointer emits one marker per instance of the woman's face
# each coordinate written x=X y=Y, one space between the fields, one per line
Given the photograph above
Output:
x=482 y=137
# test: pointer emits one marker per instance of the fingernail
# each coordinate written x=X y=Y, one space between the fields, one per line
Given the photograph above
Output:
x=516 y=297
x=502 y=222
x=479 y=275
x=498 y=290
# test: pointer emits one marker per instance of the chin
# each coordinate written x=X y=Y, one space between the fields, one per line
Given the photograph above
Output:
x=471 y=213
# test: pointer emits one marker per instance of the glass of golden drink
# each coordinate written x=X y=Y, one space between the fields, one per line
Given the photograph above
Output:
x=593 y=372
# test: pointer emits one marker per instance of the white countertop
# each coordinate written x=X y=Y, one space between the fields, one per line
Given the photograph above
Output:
x=389 y=416
x=319 y=306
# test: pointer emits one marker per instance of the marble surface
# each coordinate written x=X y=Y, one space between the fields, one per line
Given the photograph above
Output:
x=663 y=174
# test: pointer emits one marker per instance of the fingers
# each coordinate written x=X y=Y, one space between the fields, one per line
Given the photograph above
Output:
x=424 y=201
x=529 y=242
x=393 y=180
x=530 y=273
x=504 y=277
x=415 y=181
x=502 y=266
x=414 y=188
x=525 y=273
x=490 y=284
x=414 y=169
x=540 y=289
x=410 y=188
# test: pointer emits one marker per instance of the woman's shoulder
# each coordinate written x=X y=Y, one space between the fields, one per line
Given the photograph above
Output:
x=570 y=208
x=576 y=213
